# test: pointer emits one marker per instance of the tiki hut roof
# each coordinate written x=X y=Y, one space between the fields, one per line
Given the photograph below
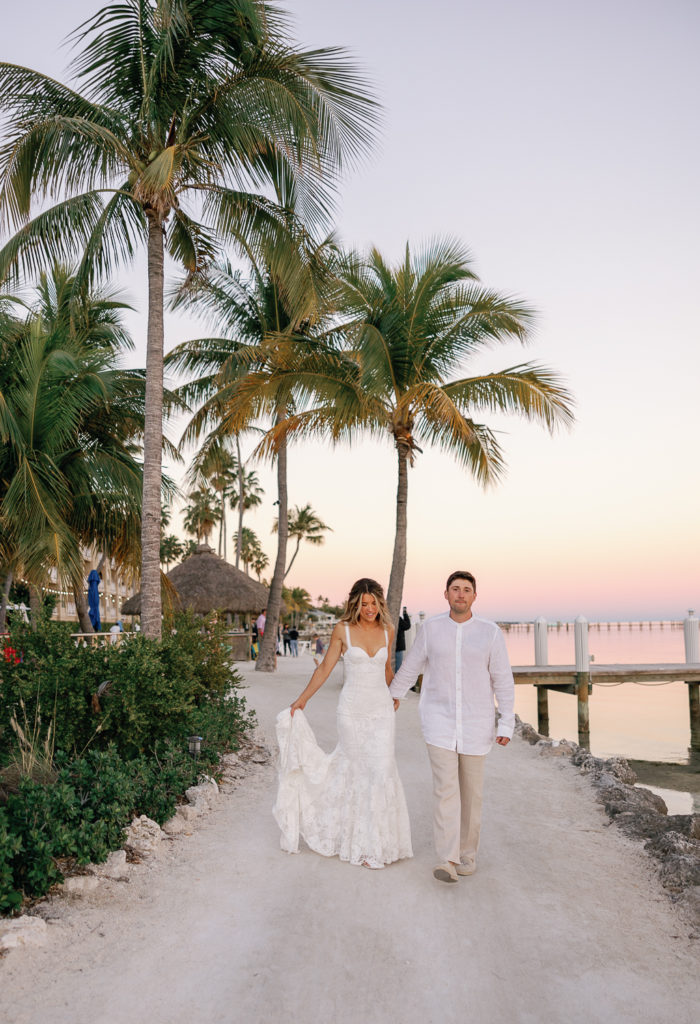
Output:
x=204 y=583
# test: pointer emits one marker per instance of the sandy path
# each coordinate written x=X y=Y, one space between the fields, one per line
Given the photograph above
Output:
x=563 y=921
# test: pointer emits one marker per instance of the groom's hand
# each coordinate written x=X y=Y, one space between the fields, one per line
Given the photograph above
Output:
x=503 y=741
x=396 y=704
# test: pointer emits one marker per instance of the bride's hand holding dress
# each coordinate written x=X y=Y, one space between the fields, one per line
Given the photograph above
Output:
x=349 y=803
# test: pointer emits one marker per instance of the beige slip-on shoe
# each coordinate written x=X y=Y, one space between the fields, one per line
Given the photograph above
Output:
x=466 y=869
x=445 y=872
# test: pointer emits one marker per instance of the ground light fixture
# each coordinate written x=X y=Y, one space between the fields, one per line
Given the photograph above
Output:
x=195 y=745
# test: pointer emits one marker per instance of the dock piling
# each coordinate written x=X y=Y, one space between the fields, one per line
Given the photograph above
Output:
x=583 y=679
x=542 y=658
x=692 y=657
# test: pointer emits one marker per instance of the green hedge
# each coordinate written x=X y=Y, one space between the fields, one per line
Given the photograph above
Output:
x=81 y=817
x=119 y=753
x=133 y=695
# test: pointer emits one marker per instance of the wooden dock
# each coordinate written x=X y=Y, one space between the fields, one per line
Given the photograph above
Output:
x=566 y=679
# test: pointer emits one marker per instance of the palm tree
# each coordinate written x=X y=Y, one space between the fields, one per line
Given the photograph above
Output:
x=251 y=550
x=410 y=330
x=259 y=561
x=69 y=425
x=216 y=465
x=202 y=514
x=298 y=601
x=171 y=548
x=268 y=325
x=189 y=109
x=304 y=524
x=249 y=495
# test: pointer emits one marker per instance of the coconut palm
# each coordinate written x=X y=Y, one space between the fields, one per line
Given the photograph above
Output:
x=298 y=601
x=258 y=562
x=251 y=550
x=410 y=330
x=248 y=495
x=171 y=549
x=216 y=465
x=266 y=324
x=202 y=513
x=304 y=525
x=188 y=110
x=69 y=425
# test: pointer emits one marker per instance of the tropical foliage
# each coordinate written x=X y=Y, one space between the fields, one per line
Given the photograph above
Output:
x=184 y=112
x=251 y=549
x=408 y=332
x=269 y=325
x=297 y=601
x=70 y=424
x=303 y=525
x=202 y=513
x=171 y=550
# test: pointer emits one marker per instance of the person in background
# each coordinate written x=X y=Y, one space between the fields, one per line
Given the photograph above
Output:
x=285 y=639
x=260 y=623
x=115 y=630
x=404 y=625
x=317 y=650
x=294 y=641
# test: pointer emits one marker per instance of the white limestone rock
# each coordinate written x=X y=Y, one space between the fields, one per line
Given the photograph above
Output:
x=143 y=838
x=114 y=867
x=80 y=885
x=188 y=812
x=206 y=780
x=175 y=825
x=22 y=931
x=555 y=748
x=202 y=796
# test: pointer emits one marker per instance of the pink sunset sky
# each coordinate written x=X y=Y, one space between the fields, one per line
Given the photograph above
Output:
x=559 y=142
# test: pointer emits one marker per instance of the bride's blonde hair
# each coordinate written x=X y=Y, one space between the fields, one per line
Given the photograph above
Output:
x=354 y=602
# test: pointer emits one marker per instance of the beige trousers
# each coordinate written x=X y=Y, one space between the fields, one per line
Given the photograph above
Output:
x=457 y=796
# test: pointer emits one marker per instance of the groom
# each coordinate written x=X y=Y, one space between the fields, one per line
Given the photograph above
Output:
x=464 y=664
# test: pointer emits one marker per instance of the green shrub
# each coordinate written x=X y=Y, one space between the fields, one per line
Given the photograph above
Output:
x=121 y=751
x=44 y=818
x=161 y=780
x=134 y=695
x=10 y=846
x=221 y=720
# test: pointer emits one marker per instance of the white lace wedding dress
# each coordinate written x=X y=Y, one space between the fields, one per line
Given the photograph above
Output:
x=349 y=803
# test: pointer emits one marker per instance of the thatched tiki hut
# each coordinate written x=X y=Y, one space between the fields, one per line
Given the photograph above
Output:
x=205 y=583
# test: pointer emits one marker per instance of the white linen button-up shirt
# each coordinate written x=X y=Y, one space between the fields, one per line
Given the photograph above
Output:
x=465 y=666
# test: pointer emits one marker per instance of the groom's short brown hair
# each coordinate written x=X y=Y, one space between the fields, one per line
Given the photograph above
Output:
x=460 y=576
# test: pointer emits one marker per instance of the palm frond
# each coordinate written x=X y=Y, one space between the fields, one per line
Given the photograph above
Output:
x=530 y=390
x=54 y=236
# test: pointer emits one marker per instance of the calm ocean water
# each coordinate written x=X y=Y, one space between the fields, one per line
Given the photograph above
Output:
x=645 y=722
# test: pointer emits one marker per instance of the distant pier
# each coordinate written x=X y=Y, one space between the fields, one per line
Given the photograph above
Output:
x=580 y=678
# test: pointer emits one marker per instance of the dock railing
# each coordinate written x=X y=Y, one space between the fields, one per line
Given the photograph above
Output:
x=580 y=678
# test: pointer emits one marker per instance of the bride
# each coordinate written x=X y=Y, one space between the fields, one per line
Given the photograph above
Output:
x=349 y=803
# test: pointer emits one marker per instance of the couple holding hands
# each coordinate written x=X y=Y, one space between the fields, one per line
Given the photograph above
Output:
x=351 y=803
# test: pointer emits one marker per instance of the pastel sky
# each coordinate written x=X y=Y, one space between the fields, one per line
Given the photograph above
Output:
x=559 y=142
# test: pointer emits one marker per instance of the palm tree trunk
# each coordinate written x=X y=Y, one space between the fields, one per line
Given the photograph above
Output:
x=296 y=552
x=35 y=604
x=5 y=599
x=239 y=539
x=398 y=564
x=153 y=439
x=81 y=609
x=266 y=657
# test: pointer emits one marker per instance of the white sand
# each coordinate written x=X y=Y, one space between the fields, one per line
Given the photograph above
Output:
x=563 y=921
